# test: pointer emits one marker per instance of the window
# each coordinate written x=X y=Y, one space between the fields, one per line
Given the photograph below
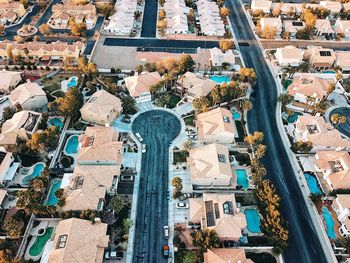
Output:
x=325 y=53
x=222 y=158
x=61 y=242
x=216 y=210
x=297 y=23
x=78 y=182
x=228 y=208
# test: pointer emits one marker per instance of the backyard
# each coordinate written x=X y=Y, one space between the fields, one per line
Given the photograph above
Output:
x=52 y=85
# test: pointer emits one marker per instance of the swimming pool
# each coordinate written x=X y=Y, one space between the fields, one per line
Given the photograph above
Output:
x=327 y=215
x=236 y=115
x=40 y=242
x=253 y=220
x=52 y=199
x=57 y=122
x=293 y=118
x=220 y=79
x=72 y=82
x=328 y=72
x=37 y=169
x=72 y=145
x=312 y=184
x=242 y=178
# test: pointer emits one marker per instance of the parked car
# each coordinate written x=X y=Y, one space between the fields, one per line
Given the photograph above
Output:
x=166 y=251
x=166 y=232
x=127 y=178
x=182 y=205
x=143 y=148
x=113 y=255
x=139 y=137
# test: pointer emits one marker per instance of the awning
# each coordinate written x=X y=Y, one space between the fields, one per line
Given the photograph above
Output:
x=45 y=58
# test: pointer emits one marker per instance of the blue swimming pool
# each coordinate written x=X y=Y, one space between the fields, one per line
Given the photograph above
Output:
x=328 y=72
x=37 y=169
x=312 y=184
x=236 y=115
x=52 y=199
x=220 y=79
x=253 y=220
x=73 y=81
x=242 y=178
x=72 y=145
x=294 y=117
x=57 y=122
x=327 y=215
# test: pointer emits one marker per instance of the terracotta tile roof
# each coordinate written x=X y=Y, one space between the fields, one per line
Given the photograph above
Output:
x=140 y=84
x=25 y=92
x=226 y=255
x=309 y=85
x=196 y=86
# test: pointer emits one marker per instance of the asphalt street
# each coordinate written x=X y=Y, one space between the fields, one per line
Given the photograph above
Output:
x=158 y=128
x=344 y=128
x=304 y=245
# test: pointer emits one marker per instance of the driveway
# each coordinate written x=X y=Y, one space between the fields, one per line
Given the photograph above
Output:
x=158 y=128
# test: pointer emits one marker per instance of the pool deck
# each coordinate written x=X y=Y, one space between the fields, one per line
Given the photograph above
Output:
x=22 y=173
x=249 y=175
x=245 y=230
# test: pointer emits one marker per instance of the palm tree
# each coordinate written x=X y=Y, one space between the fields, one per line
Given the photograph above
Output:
x=330 y=89
x=304 y=66
x=128 y=104
x=338 y=119
x=285 y=99
x=226 y=67
x=310 y=100
x=246 y=105
x=215 y=95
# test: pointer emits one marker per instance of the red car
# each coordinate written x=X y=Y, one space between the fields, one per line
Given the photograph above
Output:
x=166 y=251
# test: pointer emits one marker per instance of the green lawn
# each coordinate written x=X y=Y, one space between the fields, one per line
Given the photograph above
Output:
x=170 y=100
x=189 y=120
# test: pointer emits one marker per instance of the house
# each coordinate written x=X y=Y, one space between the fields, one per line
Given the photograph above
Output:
x=323 y=27
x=61 y=14
x=225 y=255
x=9 y=80
x=78 y=240
x=341 y=206
x=217 y=57
x=320 y=58
x=10 y=12
x=122 y=21
x=176 y=16
x=8 y=166
x=273 y=22
x=42 y=51
x=217 y=126
x=342 y=27
x=102 y=108
x=263 y=5
x=333 y=6
x=335 y=168
x=210 y=167
x=289 y=56
x=290 y=9
x=306 y=85
x=219 y=212
x=322 y=135
x=343 y=61
x=293 y=27
x=30 y=96
x=20 y=127
x=139 y=85
x=209 y=18
x=194 y=86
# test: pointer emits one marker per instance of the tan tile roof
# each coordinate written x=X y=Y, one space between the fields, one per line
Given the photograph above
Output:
x=85 y=242
x=196 y=209
x=340 y=173
x=290 y=52
x=69 y=8
x=205 y=167
x=25 y=92
x=272 y=22
x=313 y=54
x=215 y=122
x=344 y=200
x=289 y=27
x=226 y=255
x=343 y=59
x=140 y=84
x=324 y=25
x=3 y=194
x=309 y=85
x=196 y=86
x=324 y=135
x=6 y=78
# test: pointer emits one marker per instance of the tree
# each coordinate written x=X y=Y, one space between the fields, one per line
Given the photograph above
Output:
x=162 y=25
x=338 y=119
x=44 y=29
x=205 y=239
x=345 y=241
x=225 y=66
x=260 y=151
x=302 y=147
x=246 y=74
x=2 y=30
x=11 y=227
x=176 y=182
x=70 y=104
x=216 y=95
x=315 y=198
x=19 y=39
x=255 y=138
x=224 y=12
x=139 y=68
x=187 y=145
x=127 y=223
x=286 y=35
x=128 y=104
x=309 y=18
x=269 y=32
x=285 y=99
x=156 y=88
x=331 y=87
x=8 y=113
x=190 y=257
x=106 y=9
x=247 y=105
x=225 y=44
x=186 y=63
x=162 y=14
x=117 y=204
x=78 y=29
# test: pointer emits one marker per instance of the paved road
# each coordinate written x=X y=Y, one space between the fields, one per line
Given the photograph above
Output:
x=158 y=128
x=336 y=45
x=345 y=127
x=149 y=22
x=304 y=245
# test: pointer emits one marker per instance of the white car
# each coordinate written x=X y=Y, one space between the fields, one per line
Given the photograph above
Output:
x=139 y=137
x=143 y=148
x=182 y=205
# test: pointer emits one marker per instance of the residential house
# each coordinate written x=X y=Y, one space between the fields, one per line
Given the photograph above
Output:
x=341 y=205
x=263 y=5
x=9 y=80
x=225 y=255
x=20 y=127
x=219 y=212
x=41 y=51
x=346 y=6
x=320 y=58
x=342 y=27
x=272 y=22
x=290 y=9
x=176 y=16
x=218 y=57
x=324 y=28
x=306 y=85
x=10 y=12
x=122 y=21
x=209 y=18
x=343 y=61
x=29 y=96
x=216 y=126
x=61 y=14
x=77 y=240
x=289 y=56
x=333 y=6
x=102 y=108
x=335 y=168
x=194 y=86
x=322 y=134
x=8 y=167
x=292 y=27
x=139 y=85
x=210 y=167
